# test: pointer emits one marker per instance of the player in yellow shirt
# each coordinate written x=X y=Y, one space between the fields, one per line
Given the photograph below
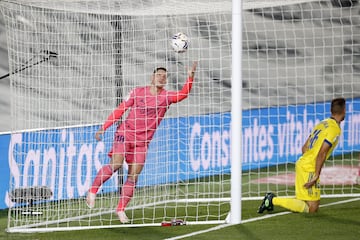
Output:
x=317 y=148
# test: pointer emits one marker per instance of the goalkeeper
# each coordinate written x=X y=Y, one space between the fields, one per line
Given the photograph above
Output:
x=317 y=148
x=147 y=107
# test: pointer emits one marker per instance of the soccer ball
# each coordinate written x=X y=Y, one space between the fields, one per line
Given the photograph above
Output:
x=180 y=42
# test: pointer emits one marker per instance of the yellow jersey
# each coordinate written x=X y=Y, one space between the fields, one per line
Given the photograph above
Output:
x=327 y=131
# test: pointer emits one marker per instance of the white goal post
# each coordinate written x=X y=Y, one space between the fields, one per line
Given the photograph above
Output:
x=260 y=86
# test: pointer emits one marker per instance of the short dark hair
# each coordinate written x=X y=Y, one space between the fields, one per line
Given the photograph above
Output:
x=338 y=105
x=160 y=68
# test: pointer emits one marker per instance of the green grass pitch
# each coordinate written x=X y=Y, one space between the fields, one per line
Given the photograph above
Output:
x=338 y=218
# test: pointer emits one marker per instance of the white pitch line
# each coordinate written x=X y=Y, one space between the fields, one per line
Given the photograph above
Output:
x=253 y=220
x=340 y=202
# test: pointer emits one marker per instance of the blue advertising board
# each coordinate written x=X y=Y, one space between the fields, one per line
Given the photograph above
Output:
x=66 y=160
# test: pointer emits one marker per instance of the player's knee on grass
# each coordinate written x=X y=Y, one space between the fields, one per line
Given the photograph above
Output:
x=313 y=207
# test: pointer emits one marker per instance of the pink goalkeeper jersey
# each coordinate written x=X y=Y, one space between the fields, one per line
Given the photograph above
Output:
x=146 y=112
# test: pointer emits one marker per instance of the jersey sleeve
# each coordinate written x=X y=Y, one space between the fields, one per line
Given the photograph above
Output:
x=119 y=111
x=183 y=93
x=332 y=135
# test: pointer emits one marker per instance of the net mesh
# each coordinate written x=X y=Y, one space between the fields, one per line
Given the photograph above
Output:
x=73 y=62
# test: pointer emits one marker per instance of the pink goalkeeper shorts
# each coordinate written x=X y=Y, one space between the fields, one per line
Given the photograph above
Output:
x=132 y=151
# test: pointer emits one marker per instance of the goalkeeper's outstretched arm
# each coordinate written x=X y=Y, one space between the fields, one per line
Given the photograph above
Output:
x=113 y=117
x=184 y=92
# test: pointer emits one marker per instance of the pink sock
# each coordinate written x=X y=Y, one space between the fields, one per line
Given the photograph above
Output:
x=102 y=176
x=127 y=193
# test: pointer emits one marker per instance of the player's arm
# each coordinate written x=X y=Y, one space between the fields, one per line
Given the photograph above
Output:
x=113 y=117
x=184 y=92
x=320 y=159
x=305 y=146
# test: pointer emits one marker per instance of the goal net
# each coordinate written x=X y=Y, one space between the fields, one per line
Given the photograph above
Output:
x=73 y=61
